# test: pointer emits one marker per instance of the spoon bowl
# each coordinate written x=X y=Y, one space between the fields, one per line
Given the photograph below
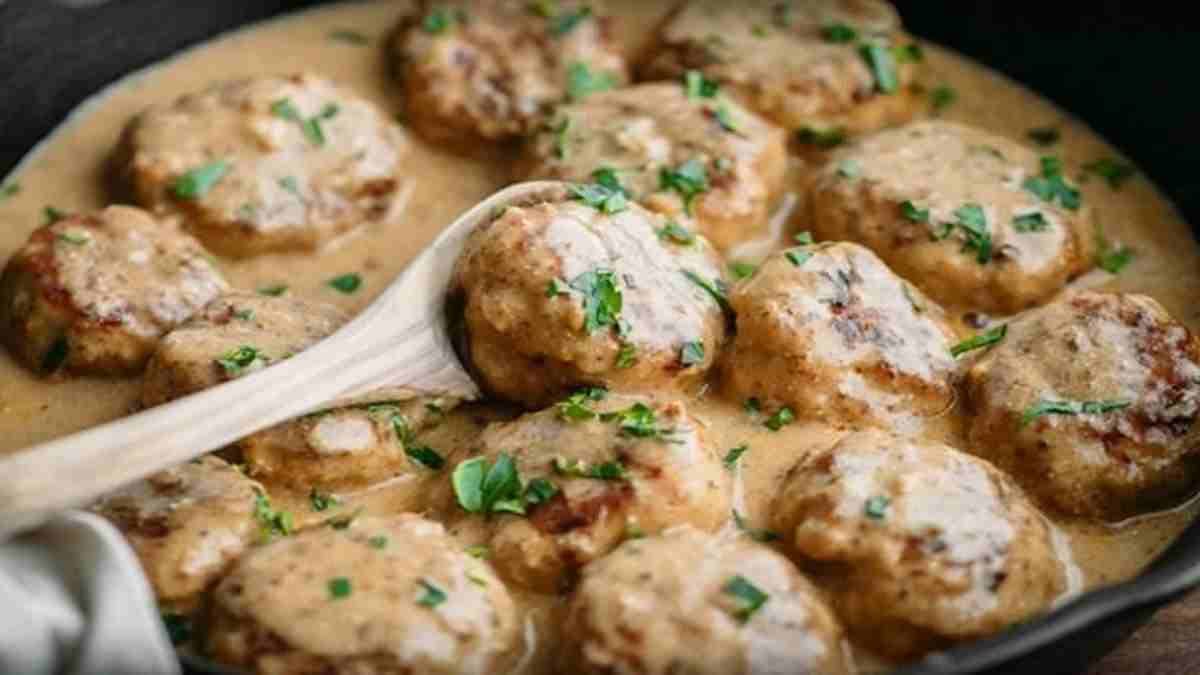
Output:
x=399 y=342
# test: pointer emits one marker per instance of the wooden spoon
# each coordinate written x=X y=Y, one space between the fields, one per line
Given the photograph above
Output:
x=399 y=341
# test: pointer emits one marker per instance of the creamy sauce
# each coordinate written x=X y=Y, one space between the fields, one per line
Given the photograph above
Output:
x=71 y=171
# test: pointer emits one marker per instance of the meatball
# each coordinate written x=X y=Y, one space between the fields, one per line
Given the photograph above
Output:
x=559 y=294
x=384 y=595
x=920 y=546
x=346 y=447
x=820 y=66
x=595 y=469
x=976 y=220
x=187 y=525
x=650 y=135
x=488 y=71
x=266 y=164
x=1091 y=402
x=686 y=602
x=235 y=334
x=94 y=293
x=829 y=332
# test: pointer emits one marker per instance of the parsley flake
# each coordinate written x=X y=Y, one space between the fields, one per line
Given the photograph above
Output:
x=942 y=97
x=715 y=289
x=239 y=360
x=797 y=256
x=839 y=33
x=441 y=19
x=639 y=421
x=1113 y=171
x=1030 y=222
x=273 y=290
x=378 y=542
x=688 y=179
x=574 y=468
x=749 y=598
x=321 y=501
x=849 y=168
x=698 y=86
x=431 y=596
x=564 y=22
x=626 y=356
x=577 y=407
x=782 y=417
x=986 y=339
x=742 y=270
x=691 y=353
x=345 y=283
x=1050 y=186
x=602 y=300
x=582 y=82
x=972 y=221
x=910 y=211
x=196 y=183
x=272 y=523
x=734 y=454
x=1051 y=407
x=73 y=238
x=876 y=507
x=339 y=587
x=676 y=233
x=882 y=62
x=425 y=456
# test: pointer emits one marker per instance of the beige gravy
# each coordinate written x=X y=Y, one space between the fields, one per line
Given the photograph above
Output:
x=70 y=172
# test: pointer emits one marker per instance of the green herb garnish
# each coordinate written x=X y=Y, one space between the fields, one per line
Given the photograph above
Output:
x=431 y=595
x=196 y=183
x=839 y=33
x=1051 y=186
x=379 y=542
x=691 y=353
x=626 y=356
x=910 y=211
x=985 y=339
x=425 y=456
x=715 y=289
x=674 y=232
x=742 y=270
x=750 y=598
x=849 y=168
x=321 y=500
x=697 y=86
x=734 y=454
x=339 y=587
x=882 y=63
x=311 y=126
x=582 y=82
x=1111 y=170
x=565 y=22
x=441 y=19
x=876 y=507
x=574 y=468
x=9 y=189
x=797 y=256
x=942 y=97
x=688 y=179
x=562 y=139
x=73 y=238
x=638 y=421
x=237 y=361
x=1030 y=222
x=577 y=407
x=602 y=300
x=273 y=290
x=972 y=221
x=345 y=283
x=780 y=419
x=271 y=523
x=1050 y=407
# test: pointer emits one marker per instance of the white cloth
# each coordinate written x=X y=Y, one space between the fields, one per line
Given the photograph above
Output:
x=73 y=600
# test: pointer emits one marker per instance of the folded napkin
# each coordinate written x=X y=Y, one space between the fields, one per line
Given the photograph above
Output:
x=73 y=600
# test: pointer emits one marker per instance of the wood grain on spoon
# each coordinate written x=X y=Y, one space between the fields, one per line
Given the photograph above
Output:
x=400 y=341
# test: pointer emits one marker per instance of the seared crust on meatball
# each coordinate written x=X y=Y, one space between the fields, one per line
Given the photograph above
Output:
x=186 y=524
x=783 y=61
x=618 y=466
x=559 y=295
x=1091 y=402
x=644 y=131
x=920 y=546
x=491 y=70
x=346 y=447
x=203 y=352
x=665 y=606
x=94 y=293
x=266 y=164
x=959 y=211
x=830 y=332
x=384 y=595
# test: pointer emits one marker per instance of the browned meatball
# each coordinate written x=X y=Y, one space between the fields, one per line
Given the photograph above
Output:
x=266 y=164
x=187 y=525
x=594 y=472
x=560 y=294
x=650 y=135
x=94 y=293
x=830 y=332
x=491 y=70
x=821 y=65
x=384 y=595
x=691 y=603
x=1091 y=402
x=976 y=220
x=236 y=334
x=919 y=545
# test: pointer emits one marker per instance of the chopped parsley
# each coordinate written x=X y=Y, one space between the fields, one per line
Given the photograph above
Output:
x=986 y=339
x=321 y=501
x=574 y=468
x=479 y=551
x=1030 y=222
x=909 y=53
x=73 y=238
x=56 y=355
x=797 y=256
x=734 y=454
x=742 y=270
x=431 y=595
x=1110 y=257
x=348 y=36
x=290 y=184
x=876 y=507
x=697 y=86
x=1111 y=170
x=822 y=138
x=691 y=353
x=972 y=221
x=849 y=168
x=441 y=19
x=1050 y=407
x=688 y=179
x=780 y=419
x=271 y=523
x=273 y=290
x=804 y=238
x=339 y=587
x=425 y=456
x=602 y=300
x=749 y=598
x=638 y=421
x=1044 y=136
x=882 y=62
x=582 y=82
x=1050 y=186
x=605 y=194
x=237 y=361
x=577 y=406
x=626 y=356
x=485 y=488
x=725 y=118
x=345 y=283
x=754 y=533
x=676 y=233
x=942 y=97
x=196 y=183
x=9 y=189
x=379 y=542
x=556 y=287
x=311 y=126
x=752 y=405
x=714 y=288
x=839 y=33
x=539 y=491
x=562 y=23
x=244 y=314
x=179 y=627
x=912 y=213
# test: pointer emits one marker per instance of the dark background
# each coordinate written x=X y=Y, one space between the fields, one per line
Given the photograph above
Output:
x=1127 y=68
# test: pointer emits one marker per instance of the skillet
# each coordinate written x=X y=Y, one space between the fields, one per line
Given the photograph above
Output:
x=1117 y=67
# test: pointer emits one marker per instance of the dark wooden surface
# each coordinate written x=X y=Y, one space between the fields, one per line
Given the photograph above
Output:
x=1168 y=645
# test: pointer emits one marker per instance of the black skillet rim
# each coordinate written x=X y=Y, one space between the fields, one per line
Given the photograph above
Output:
x=1113 y=61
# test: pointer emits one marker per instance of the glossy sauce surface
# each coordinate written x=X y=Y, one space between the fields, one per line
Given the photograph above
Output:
x=71 y=172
